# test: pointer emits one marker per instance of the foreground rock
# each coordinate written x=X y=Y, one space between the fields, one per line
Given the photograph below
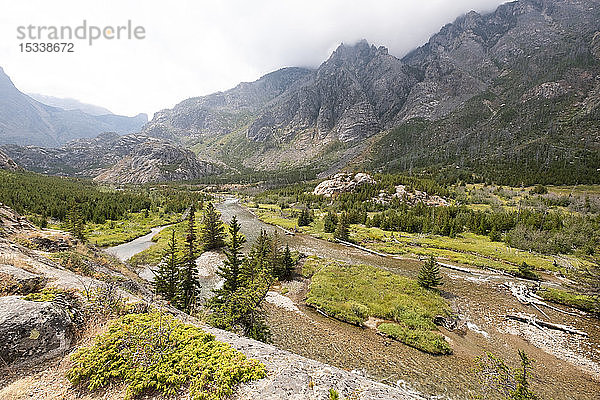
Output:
x=32 y=331
x=290 y=376
x=15 y=280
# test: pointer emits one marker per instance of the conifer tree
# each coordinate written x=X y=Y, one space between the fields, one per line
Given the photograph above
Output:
x=329 y=222
x=189 y=283
x=231 y=269
x=167 y=277
x=304 y=219
x=342 y=231
x=212 y=233
x=75 y=221
x=429 y=275
x=241 y=311
x=287 y=264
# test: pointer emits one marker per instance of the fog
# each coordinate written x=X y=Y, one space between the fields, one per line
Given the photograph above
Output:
x=193 y=48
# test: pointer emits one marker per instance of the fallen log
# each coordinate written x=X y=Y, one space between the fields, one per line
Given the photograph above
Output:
x=525 y=296
x=361 y=248
x=289 y=233
x=534 y=321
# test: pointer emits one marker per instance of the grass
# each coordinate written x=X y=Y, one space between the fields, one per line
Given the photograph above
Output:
x=353 y=293
x=571 y=299
x=428 y=341
x=468 y=248
x=157 y=353
x=112 y=233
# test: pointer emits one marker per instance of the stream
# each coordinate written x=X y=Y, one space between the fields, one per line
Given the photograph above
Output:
x=127 y=250
x=566 y=366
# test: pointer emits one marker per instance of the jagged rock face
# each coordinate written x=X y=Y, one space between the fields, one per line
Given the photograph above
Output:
x=464 y=58
x=25 y=121
x=341 y=183
x=223 y=112
x=156 y=162
x=113 y=158
x=32 y=331
x=7 y=163
x=350 y=96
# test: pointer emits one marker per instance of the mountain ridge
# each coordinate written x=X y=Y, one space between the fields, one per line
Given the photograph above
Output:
x=26 y=121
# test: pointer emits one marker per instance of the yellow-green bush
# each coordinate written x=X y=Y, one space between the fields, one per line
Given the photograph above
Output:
x=156 y=352
x=46 y=294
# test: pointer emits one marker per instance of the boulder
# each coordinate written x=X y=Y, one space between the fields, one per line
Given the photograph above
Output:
x=15 y=280
x=32 y=331
x=341 y=183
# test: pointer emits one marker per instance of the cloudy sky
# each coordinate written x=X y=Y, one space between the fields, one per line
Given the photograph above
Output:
x=198 y=47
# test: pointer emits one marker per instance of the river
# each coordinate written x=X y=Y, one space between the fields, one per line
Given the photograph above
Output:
x=479 y=298
x=127 y=250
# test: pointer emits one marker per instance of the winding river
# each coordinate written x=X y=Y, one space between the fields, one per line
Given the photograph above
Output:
x=479 y=298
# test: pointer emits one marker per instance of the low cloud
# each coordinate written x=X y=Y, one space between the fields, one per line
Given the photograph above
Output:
x=197 y=47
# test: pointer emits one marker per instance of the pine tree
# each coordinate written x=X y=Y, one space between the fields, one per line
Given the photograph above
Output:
x=287 y=263
x=212 y=233
x=329 y=222
x=167 y=277
x=75 y=222
x=189 y=283
x=304 y=219
x=342 y=231
x=241 y=310
x=230 y=271
x=429 y=276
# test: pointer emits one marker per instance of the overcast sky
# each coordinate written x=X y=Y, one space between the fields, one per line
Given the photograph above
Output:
x=197 y=47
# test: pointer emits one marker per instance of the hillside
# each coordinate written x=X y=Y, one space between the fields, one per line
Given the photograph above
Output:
x=113 y=158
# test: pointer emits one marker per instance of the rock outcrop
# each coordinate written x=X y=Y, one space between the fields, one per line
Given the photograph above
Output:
x=7 y=163
x=113 y=158
x=156 y=162
x=15 y=280
x=32 y=331
x=412 y=197
x=342 y=183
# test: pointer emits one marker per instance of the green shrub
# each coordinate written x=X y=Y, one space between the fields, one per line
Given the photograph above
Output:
x=525 y=271
x=424 y=340
x=156 y=352
x=333 y=394
x=47 y=294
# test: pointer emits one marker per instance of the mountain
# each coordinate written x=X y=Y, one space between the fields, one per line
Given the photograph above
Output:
x=26 y=121
x=113 y=158
x=512 y=94
x=69 y=104
x=220 y=113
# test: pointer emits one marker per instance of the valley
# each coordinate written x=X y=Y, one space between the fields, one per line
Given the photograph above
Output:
x=371 y=224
